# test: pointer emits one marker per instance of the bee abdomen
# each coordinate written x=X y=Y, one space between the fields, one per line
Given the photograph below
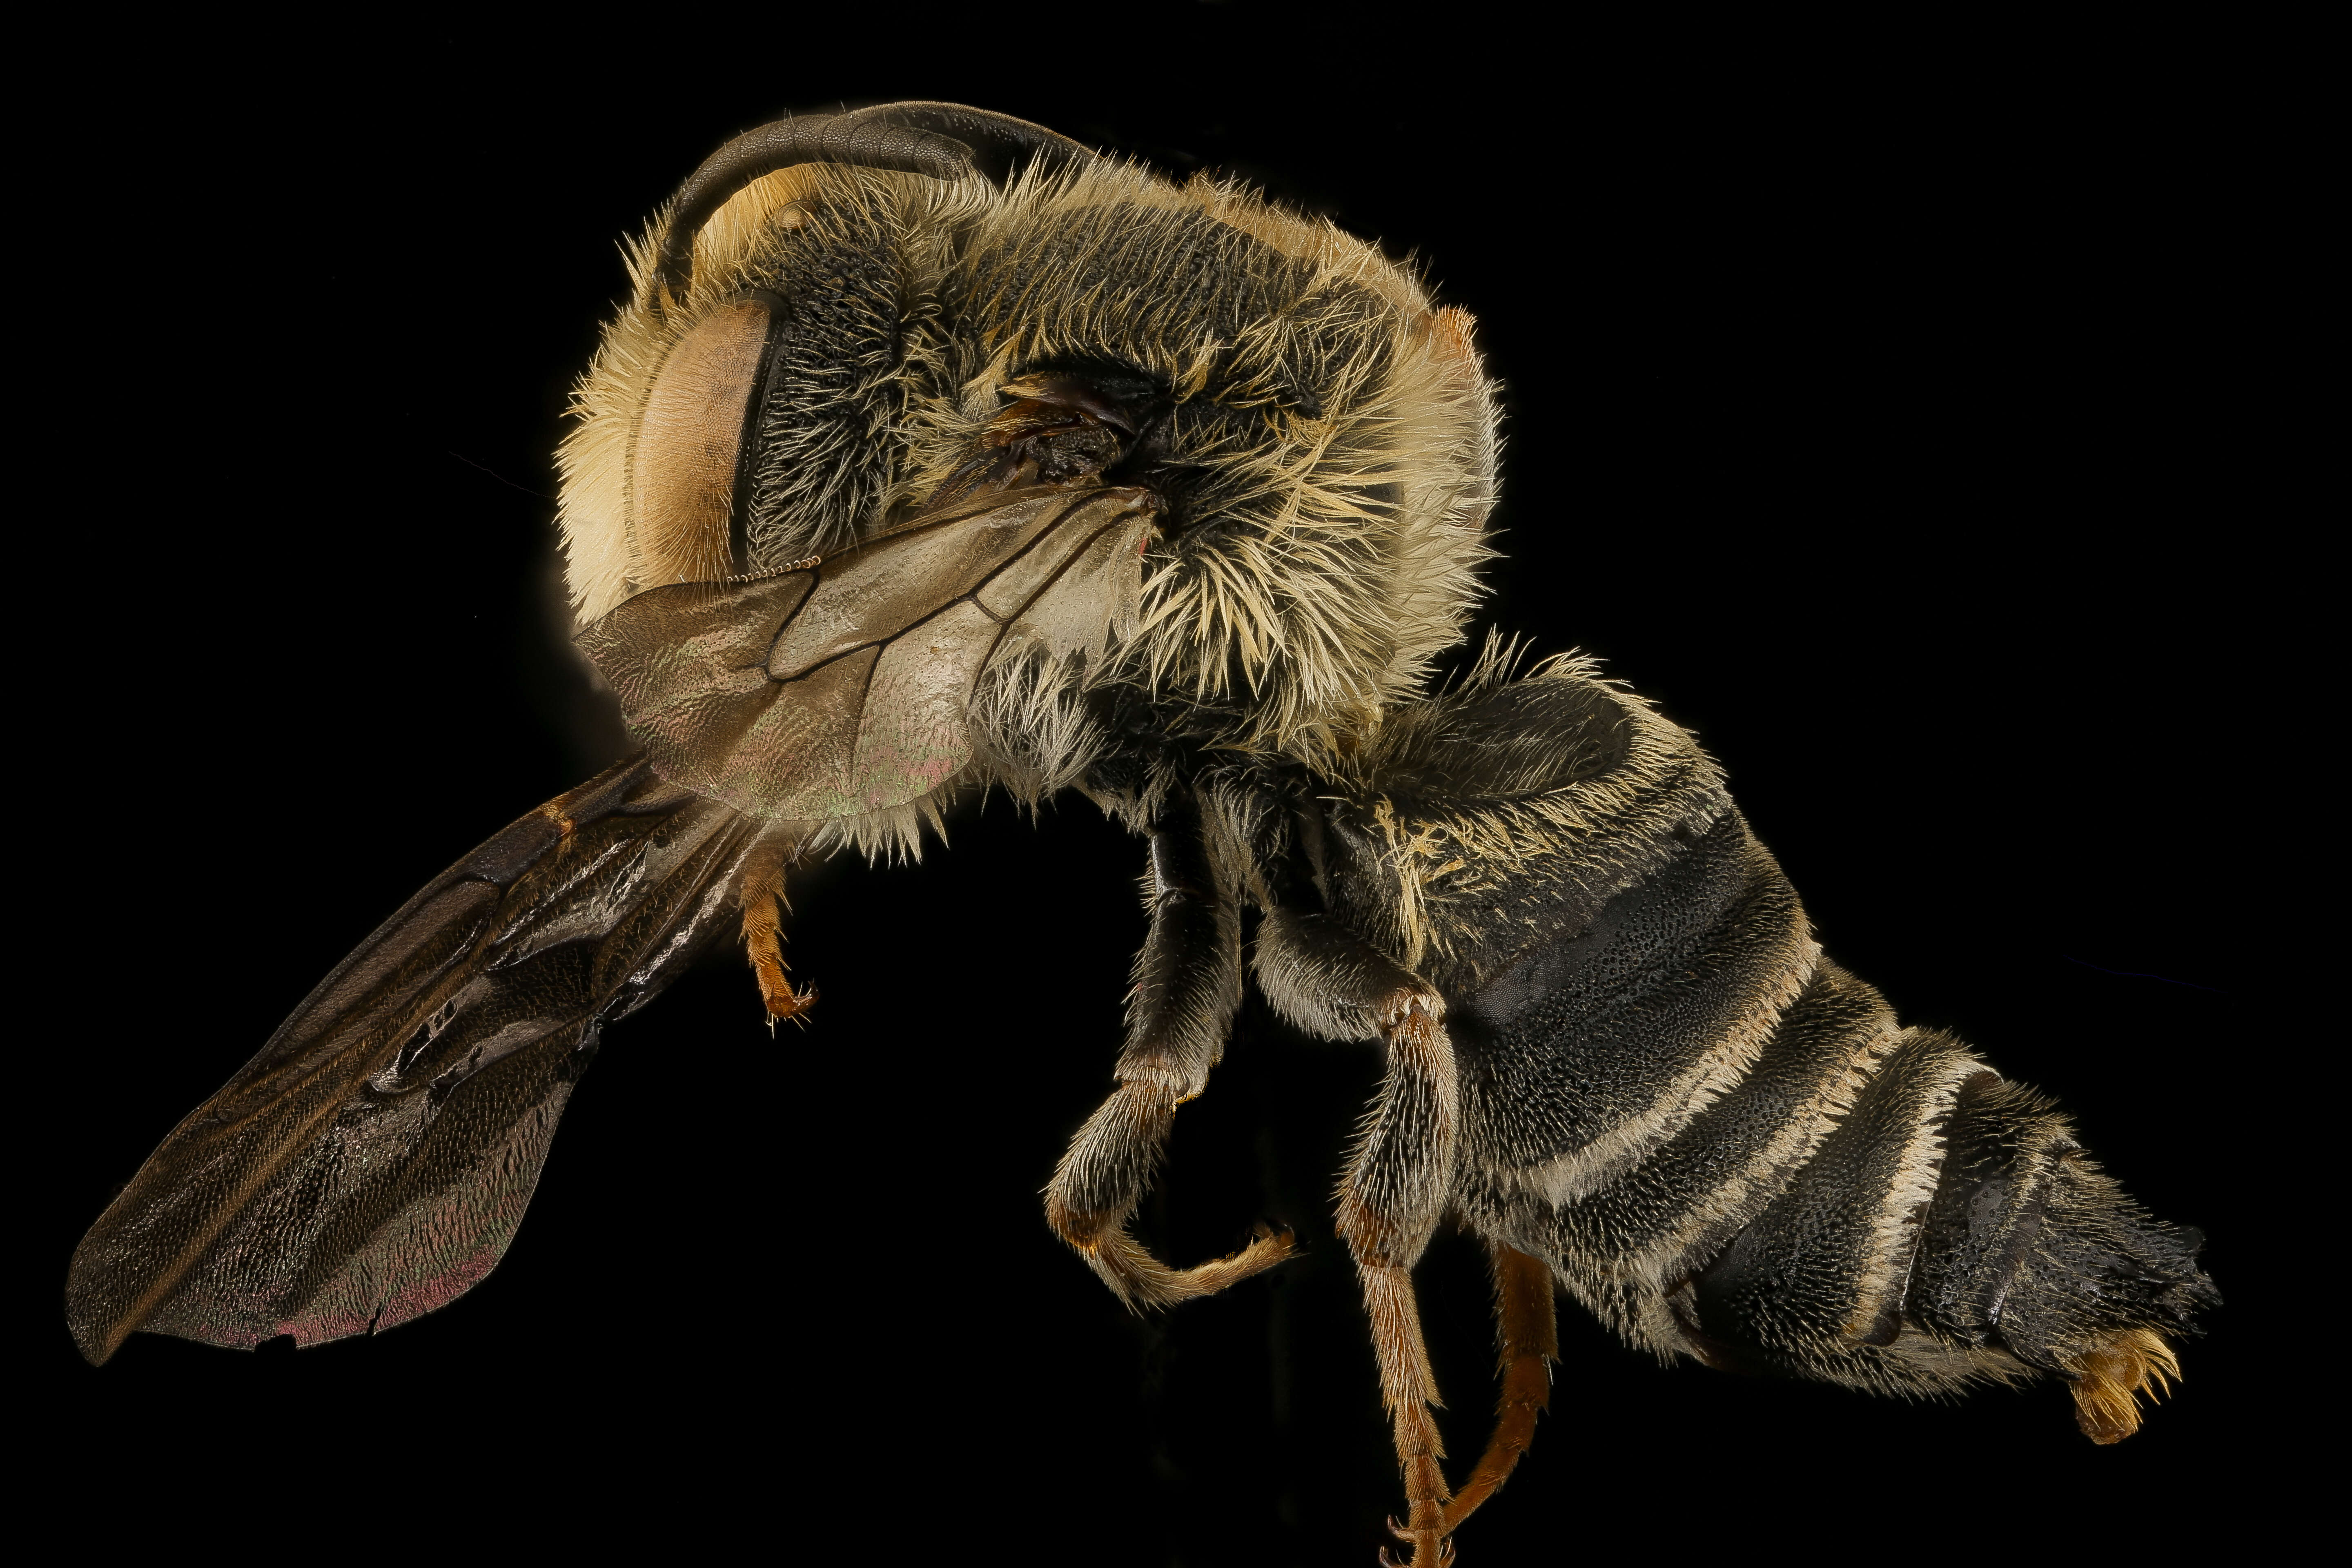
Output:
x=1726 y=1145
x=2029 y=1245
x=2021 y=1253
x=1824 y=1271
x=1656 y=1222
x=1731 y=1148
x=1590 y=1050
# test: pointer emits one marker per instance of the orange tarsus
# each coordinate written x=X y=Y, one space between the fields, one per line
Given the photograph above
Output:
x=1408 y=1390
x=1529 y=1331
x=768 y=966
x=1134 y=1273
x=762 y=892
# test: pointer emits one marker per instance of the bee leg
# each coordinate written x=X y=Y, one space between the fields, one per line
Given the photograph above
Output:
x=1103 y=1177
x=1529 y=1333
x=1186 y=987
x=762 y=892
x=1409 y=1392
x=1320 y=975
x=1389 y=1203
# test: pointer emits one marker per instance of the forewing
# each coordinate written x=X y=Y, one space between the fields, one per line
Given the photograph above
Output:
x=841 y=688
x=372 y=1161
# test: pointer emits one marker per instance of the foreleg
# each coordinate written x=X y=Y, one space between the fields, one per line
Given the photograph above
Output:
x=1186 y=989
x=760 y=892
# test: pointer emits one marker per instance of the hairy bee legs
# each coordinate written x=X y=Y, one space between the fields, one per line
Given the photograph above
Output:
x=1187 y=988
x=1102 y=1178
x=1390 y=1200
x=1326 y=979
x=1409 y=1393
x=761 y=894
x=1527 y=1330
x=1390 y=1205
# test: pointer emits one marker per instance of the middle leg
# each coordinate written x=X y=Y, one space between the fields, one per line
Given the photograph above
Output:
x=1186 y=989
x=1394 y=1194
x=1399 y=1183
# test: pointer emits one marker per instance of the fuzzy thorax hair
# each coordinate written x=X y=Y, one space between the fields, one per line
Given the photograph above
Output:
x=1333 y=436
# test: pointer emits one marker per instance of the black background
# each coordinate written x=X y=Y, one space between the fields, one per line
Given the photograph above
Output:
x=1894 y=417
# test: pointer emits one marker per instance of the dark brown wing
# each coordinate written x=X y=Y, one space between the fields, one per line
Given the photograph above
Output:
x=841 y=689
x=372 y=1162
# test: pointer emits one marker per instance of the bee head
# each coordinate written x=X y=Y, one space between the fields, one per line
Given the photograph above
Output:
x=818 y=350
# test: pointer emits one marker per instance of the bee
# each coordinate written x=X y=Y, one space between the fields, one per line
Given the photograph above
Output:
x=933 y=453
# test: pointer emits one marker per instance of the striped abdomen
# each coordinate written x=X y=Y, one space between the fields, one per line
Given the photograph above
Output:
x=1730 y=1147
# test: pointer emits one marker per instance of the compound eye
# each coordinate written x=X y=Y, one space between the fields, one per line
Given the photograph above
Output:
x=689 y=445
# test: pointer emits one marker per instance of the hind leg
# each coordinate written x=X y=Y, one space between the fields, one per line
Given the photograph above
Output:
x=1527 y=1331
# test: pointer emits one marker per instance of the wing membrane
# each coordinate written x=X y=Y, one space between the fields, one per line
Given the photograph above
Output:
x=372 y=1162
x=841 y=690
